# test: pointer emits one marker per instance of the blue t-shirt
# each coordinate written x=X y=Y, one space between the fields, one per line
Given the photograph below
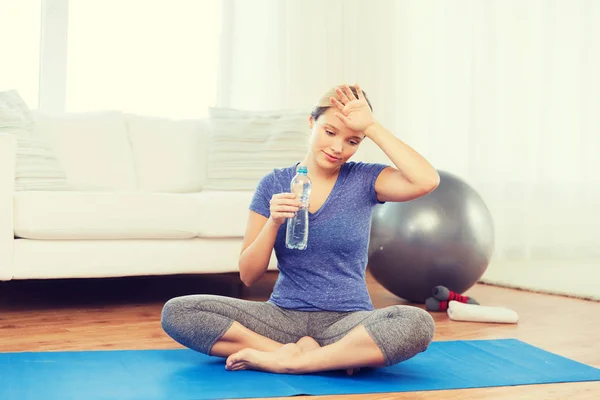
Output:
x=330 y=273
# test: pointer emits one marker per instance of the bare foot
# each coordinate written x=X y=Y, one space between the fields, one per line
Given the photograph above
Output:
x=261 y=360
x=275 y=361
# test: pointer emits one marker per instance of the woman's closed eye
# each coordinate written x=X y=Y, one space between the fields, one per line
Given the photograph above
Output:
x=353 y=142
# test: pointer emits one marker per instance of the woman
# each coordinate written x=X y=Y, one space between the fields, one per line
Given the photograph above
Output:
x=320 y=316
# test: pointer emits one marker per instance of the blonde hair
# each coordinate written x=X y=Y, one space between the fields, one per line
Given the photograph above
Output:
x=324 y=101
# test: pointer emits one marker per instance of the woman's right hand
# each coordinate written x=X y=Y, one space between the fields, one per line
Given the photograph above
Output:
x=283 y=206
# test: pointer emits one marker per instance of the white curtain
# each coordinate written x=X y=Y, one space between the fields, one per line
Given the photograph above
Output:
x=503 y=93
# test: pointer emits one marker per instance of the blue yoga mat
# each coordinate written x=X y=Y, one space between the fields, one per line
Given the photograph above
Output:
x=185 y=374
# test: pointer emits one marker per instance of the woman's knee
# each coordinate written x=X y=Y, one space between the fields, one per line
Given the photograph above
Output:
x=189 y=321
x=172 y=311
x=177 y=310
x=424 y=327
x=412 y=334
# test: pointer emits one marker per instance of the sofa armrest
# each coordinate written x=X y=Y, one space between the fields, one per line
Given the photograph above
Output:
x=7 y=187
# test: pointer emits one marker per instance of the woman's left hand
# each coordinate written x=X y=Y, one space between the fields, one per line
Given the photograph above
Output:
x=354 y=112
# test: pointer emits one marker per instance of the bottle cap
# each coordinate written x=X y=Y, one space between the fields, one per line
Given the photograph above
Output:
x=302 y=169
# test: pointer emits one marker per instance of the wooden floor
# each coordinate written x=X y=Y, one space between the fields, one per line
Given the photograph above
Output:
x=124 y=314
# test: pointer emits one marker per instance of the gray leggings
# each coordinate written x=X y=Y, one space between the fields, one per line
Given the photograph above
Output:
x=198 y=321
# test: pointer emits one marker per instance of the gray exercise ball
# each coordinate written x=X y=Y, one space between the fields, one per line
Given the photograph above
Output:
x=443 y=238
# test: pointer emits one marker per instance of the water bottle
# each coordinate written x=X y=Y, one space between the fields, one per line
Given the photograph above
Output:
x=297 y=227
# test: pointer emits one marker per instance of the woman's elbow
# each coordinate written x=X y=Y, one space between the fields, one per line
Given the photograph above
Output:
x=425 y=187
x=432 y=183
x=246 y=280
x=428 y=184
x=246 y=275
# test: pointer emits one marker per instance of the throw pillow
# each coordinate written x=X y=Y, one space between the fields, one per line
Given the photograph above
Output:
x=246 y=145
x=37 y=167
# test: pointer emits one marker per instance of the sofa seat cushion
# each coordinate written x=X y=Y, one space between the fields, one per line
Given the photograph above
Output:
x=223 y=213
x=104 y=215
x=130 y=215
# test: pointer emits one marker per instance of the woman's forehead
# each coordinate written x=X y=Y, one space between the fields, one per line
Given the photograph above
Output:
x=329 y=119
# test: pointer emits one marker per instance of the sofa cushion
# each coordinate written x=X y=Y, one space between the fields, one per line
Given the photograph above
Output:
x=169 y=155
x=97 y=215
x=101 y=215
x=92 y=147
x=223 y=213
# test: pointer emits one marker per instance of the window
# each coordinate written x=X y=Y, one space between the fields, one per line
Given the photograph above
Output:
x=148 y=57
x=20 y=48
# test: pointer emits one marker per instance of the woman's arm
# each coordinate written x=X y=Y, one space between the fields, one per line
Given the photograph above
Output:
x=413 y=176
x=260 y=236
x=259 y=241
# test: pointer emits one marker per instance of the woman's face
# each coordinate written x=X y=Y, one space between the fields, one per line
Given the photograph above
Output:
x=331 y=142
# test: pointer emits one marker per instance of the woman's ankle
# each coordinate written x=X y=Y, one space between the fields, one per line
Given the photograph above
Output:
x=238 y=337
x=306 y=343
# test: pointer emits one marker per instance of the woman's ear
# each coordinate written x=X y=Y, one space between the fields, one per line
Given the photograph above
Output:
x=310 y=122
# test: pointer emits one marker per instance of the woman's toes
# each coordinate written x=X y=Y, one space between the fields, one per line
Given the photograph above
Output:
x=235 y=359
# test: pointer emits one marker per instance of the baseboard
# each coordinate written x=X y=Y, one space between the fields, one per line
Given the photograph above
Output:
x=580 y=278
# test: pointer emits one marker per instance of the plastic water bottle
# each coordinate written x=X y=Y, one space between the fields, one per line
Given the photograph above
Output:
x=297 y=227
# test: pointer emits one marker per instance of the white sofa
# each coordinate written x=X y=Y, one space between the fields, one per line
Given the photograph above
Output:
x=140 y=202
